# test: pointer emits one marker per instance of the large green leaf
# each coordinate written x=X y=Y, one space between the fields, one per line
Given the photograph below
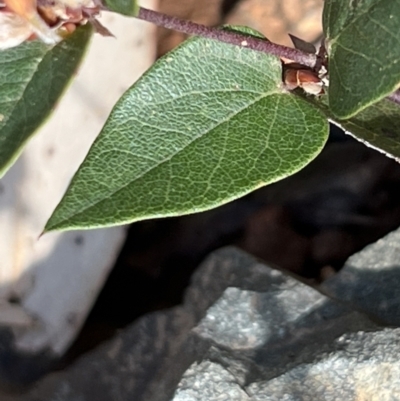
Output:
x=32 y=78
x=125 y=7
x=363 y=40
x=208 y=123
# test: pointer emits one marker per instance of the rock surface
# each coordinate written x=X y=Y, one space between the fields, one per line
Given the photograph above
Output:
x=244 y=332
x=370 y=280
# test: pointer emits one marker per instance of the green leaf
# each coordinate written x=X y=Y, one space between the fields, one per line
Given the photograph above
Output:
x=377 y=126
x=209 y=123
x=363 y=39
x=125 y=7
x=32 y=78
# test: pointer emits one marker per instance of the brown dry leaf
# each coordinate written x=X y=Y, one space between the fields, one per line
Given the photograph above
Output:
x=277 y=18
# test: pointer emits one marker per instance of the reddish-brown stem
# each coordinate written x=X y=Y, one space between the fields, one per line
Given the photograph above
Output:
x=226 y=36
x=238 y=39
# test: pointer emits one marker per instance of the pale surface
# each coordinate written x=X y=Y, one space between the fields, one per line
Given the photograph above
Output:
x=57 y=277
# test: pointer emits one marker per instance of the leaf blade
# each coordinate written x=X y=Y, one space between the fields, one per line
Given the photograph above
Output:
x=364 y=53
x=187 y=151
x=32 y=78
x=377 y=126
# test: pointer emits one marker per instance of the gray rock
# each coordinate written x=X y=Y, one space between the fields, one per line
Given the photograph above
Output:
x=210 y=381
x=243 y=333
x=370 y=280
x=147 y=360
x=289 y=343
x=358 y=366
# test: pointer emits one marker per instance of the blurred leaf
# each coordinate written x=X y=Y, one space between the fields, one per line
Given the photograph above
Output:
x=125 y=7
x=32 y=78
x=363 y=40
x=208 y=123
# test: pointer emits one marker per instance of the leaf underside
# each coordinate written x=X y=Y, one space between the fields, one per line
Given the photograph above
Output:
x=208 y=123
x=377 y=126
x=32 y=78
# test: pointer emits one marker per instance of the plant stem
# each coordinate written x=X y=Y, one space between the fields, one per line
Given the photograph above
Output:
x=226 y=36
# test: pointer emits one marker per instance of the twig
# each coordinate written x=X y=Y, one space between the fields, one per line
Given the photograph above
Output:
x=261 y=45
x=226 y=36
